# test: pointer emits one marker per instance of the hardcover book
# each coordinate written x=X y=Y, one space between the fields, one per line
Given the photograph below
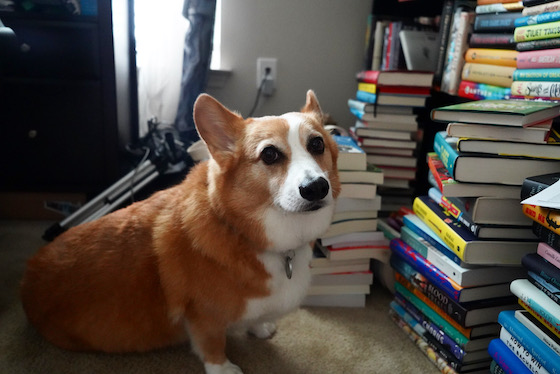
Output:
x=510 y=170
x=535 y=263
x=540 y=59
x=464 y=243
x=538 y=329
x=535 y=32
x=540 y=351
x=451 y=188
x=548 y=218
x=495 y=75
x=506 y=148
x=501 y=57
x=441 y=280
x=506 y=359
x=521 y=352
x=350 y=156
x=498 y=112
x=537 y=134
x=482 y=91
x=546 y=75
x=396 y=78
x=530 y=89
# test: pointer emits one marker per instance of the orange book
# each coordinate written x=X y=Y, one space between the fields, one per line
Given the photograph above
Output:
x=502 y=57
x=549 y=218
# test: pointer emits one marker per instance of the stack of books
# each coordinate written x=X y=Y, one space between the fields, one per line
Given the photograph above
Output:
x=490 y=60
x=387 y=129
x=538 y=62
x=530 y=337
x=465 y=244
x=341 y=267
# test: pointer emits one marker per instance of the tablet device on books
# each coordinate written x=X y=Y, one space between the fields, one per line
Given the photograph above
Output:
x=419 y=49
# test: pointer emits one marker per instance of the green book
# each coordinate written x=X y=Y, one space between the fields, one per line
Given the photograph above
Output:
x=517 y=113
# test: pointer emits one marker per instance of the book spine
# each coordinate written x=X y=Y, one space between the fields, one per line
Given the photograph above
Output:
x=495 y=368
x=440 y=227
x=536 y=32
x=492 y=40
x=546 y=323
x=424 y=267
x=521 y=352
x=532 y=187
x=533 y=324
x=428 y=351
x=537 y=19
x=542 y=8
x=481 y=91
x=546 y=236
x=430 y=333
x=538 y=301
x=432 y=312
x=499 y=8
x=368 y=76
x=446 y=152
x=540 y=351
x=456 y=49
x=440 y=246
x=367 y=87
x=505 y=358
x=549 y=218
x=535 y=45
x=552 y=292
x=443 y=38
x=544 y=269
x=502 y=57
x=549 y=254
x=549 y=75
x=366 y=97
x=502 y=22
x=495 y=75
x=454 y=210
x=536 y=89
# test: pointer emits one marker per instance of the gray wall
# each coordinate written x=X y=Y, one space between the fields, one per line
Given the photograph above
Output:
x=319 y=44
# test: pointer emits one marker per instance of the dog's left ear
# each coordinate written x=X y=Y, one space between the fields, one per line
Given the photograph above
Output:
x=217 y=126
x=312 y=104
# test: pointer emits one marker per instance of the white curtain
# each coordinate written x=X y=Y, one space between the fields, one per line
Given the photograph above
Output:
x=160 y=35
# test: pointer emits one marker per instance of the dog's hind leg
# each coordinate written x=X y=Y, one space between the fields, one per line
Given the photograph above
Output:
x=263 y=330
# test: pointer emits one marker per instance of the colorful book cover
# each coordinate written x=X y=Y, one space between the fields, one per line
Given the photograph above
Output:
x=537 y=18
x=537 y=300
x=538 y=329
x=540 y=59
x=548 y=289
x=502 y=22
x=481 y=91
x=366 y=97
x=548 y=218
x=540 y=351
x=536 y=89
x=495 y=75
x=446 y=149
x=501 y=57
x=535 y=32
x=506 y=359
x=548 y=75
x=550 y=254
x=545 y=322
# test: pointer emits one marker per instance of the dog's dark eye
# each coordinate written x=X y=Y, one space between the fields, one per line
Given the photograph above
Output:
x=270 y=155
x=316 y=146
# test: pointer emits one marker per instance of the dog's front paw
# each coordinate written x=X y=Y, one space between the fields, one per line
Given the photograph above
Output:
x=264 y=330
x=225 y=368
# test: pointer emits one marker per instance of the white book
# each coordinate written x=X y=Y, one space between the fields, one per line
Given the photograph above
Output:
x=371 y=235
x=543 y=333
x=346 y=204
x=339 y=289
x=358 y=190
x=521 y=352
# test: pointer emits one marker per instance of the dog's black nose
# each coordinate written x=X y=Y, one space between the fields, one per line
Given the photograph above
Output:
x=315 y=189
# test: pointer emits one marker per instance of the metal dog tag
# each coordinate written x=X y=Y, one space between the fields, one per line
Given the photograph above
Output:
x=288 y=265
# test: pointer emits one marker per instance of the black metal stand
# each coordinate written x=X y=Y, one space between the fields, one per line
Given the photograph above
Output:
x=162 y=154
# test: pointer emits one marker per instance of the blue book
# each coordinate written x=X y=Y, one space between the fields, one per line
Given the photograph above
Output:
x=537 y=18
x=548 y=75
x=540 y=351
x=366 y=97
x=506 y=359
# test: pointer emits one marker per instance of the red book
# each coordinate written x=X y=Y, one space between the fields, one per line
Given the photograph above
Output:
x=540 y=59
x=396 y=78
x=404 y=90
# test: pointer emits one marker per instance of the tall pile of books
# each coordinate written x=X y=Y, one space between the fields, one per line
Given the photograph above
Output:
x=489 y=54
x=460 y=251
x=530 y=337
x=341 y=267
x=537 y=34
x=387 y=129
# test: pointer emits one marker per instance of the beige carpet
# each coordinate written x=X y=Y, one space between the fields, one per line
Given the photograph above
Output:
x=311 y=340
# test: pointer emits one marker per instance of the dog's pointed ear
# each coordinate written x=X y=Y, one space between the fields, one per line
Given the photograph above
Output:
x=216 y=125
x=312 y=104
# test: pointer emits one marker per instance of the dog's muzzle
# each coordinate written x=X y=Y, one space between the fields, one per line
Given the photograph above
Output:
x=314 y=190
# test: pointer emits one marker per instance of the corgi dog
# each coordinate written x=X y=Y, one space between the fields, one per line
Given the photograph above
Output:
x=227 y=248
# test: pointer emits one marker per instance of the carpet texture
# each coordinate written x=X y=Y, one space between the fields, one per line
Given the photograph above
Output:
x=308 y=341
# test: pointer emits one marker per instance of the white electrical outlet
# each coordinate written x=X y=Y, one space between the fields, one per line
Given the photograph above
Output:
x=264 y=65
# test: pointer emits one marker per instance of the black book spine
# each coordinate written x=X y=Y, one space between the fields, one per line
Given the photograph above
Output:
x=533 y=45
x=501 y=22
x=533 y=185
x=443 y=39
x=492 y=40
x=553 y=296
x=538 y=265
x=545 y=235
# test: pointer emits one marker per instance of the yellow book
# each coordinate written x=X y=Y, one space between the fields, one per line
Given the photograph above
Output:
x=536 y=32
x=501 y=57
x=367 y=87
x=495 y=75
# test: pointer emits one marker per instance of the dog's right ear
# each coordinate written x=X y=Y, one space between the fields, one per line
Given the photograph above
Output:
x=217 y=126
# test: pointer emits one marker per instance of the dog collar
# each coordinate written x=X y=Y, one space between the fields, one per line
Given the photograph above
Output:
x=288 y=262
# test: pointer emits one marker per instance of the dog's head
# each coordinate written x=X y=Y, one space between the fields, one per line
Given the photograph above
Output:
x=276 y=172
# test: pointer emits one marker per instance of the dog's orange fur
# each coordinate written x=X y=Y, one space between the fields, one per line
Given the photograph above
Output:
x=180 y=264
